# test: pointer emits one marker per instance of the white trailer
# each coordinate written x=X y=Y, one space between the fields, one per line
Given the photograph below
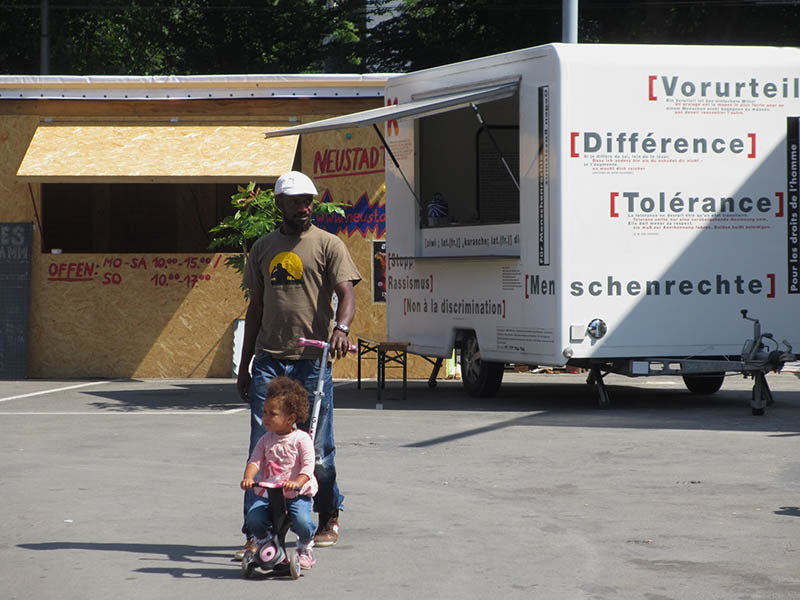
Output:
x=616 y=208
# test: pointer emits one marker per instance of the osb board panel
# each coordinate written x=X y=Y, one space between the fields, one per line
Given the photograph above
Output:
x=134 y=316
x=157 y=316
x=15 y=202
x=155 y=153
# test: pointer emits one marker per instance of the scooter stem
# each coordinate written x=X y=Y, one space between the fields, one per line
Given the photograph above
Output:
x=318 y=393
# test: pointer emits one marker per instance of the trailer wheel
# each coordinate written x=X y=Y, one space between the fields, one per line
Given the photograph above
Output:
x=480 y=378
x=704 y=384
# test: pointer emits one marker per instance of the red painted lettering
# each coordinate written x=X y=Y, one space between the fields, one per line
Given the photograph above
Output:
x=334 y=162
x=364 y=162
x=72 y=271
x=319 y=162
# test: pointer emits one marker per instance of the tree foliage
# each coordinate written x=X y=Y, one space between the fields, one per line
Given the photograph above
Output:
x=715 y=22
x=427 y=33
x=418 y=34
x=193 y=37
x=184 y=37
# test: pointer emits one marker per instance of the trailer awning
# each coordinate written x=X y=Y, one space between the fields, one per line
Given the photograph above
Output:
x=155 y=153
x=415 y=108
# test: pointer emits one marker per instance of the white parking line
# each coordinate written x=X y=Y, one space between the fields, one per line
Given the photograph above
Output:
x=114 y=413
x=53 y=391
x=82 y=385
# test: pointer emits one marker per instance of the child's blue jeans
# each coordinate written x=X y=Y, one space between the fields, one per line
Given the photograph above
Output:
x=259 y=520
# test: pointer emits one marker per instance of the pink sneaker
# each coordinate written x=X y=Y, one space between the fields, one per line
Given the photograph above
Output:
x=306 y=558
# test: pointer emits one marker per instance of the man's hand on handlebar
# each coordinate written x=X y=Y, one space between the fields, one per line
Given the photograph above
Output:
x=339 y=344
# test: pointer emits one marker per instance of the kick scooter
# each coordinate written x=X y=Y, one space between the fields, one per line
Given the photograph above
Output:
x=273 y=555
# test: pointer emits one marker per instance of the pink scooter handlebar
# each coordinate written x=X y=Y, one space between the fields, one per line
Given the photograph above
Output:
x=268 y=484
x=321 y=344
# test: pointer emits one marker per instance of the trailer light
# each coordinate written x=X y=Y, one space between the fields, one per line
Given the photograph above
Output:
x=568 y=352
x=597 y=328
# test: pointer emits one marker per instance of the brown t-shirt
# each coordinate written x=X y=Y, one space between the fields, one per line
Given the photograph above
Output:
x=296 y=276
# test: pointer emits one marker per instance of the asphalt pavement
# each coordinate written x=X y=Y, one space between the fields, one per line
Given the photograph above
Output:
x=129 y=490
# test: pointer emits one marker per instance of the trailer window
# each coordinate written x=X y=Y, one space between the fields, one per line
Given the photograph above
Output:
x=463 y=177
x=132 y=218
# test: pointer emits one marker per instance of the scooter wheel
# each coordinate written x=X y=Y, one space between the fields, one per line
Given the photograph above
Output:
x=294 y=564
x=267 y=553
x=248 y=564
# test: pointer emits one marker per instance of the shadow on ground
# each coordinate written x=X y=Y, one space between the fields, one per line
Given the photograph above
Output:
x=566 y=401
x=197 y=555
x=171 y=396
x=558 y=400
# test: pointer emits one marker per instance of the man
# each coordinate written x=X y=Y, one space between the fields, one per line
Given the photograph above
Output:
x=292 y=275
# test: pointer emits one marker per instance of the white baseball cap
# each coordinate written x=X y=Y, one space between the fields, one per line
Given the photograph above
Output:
x=295 y=183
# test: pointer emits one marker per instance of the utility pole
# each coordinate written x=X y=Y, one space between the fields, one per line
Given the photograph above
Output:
x=44 y=47
x=569 y=21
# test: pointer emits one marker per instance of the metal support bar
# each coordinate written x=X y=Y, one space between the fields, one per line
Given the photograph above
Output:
x=596 y=378
x=569 y=21
x=762 y=396
x=392 y=353
x=494 y=142
x=435 y=372
x=396 y=164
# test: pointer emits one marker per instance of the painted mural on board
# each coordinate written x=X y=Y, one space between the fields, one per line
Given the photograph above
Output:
x=363 y=217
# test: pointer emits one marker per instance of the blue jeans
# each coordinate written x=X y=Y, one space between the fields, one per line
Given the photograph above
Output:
x=265 y=368
x=258 y=520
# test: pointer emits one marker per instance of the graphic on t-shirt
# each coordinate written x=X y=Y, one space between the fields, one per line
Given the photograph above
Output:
x=286 y=269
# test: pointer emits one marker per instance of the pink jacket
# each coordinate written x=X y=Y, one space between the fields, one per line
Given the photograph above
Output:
x=283 y=457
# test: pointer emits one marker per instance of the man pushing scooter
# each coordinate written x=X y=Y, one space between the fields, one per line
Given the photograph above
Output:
x=292 y=275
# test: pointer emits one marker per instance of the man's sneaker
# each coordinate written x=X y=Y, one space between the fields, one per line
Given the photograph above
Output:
x=250 y=544
x=306 y=558
x=328 y=533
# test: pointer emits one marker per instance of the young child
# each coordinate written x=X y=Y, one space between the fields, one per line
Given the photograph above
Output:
x=284 y=454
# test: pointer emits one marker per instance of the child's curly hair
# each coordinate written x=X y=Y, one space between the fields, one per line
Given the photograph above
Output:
x=291 y=396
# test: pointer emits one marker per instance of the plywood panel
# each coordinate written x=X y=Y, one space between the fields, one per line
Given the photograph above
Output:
x=15 y=134
x=155 y=153
x=134 y=316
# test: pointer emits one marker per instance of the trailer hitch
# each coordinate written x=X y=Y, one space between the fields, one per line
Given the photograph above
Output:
x=758 y=350
x=758 y=360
